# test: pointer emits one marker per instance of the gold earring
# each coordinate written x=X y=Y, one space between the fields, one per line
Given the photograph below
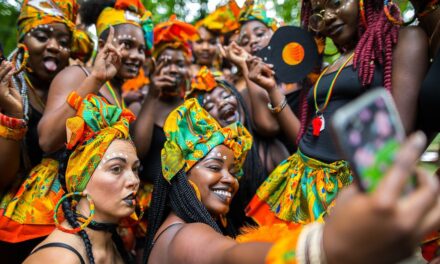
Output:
x=196 y=190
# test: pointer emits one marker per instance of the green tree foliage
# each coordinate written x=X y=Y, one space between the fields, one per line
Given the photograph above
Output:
x=8 y=29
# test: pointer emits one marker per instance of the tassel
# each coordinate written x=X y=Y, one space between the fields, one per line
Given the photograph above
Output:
x=317 y=124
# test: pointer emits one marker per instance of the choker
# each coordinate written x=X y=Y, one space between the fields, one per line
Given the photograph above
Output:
x=98 y=226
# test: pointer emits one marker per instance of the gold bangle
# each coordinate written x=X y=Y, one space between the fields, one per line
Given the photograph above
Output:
x=278 y=108
x=16 y=134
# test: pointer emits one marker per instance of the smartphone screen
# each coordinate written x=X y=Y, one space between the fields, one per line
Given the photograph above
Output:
x=369 y=133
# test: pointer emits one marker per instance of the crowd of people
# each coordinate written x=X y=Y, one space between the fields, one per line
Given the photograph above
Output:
x=175 y=143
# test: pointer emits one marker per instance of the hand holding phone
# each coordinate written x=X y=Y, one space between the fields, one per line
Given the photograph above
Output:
x=369 y=133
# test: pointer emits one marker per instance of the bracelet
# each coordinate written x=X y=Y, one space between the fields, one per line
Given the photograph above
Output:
x=74 y=100
x=16 y=134
x=12 y=122
x=279 y=108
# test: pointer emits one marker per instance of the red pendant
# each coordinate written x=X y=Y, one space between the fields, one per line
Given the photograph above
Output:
x=318 y=125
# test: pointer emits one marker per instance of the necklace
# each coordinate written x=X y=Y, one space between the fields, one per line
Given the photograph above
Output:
x=318 y=123
x=113 y=94
x=38 y=99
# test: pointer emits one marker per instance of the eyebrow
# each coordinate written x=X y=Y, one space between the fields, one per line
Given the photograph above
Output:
x=116 y=158
x=258 y=27
x=215 y=158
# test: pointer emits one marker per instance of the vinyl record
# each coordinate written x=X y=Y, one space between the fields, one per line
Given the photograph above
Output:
x=292 y=51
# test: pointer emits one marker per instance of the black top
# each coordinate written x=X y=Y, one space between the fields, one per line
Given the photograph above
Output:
x=61 y=245
x=429 y=100
x=347 y=88
x=151 y=163
x=33 y=150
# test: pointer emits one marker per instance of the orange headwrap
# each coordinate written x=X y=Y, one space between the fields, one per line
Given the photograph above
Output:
x=173 y=34
x=223 y=20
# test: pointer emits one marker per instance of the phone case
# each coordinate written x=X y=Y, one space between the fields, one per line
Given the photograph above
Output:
x=369 y=132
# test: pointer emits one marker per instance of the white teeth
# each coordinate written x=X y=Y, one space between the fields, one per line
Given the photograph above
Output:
x=223 y=193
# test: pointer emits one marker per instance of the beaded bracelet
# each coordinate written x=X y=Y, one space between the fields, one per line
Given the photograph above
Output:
x=16 y=134
x=12 y=122
x=279 y=108
x=74 y=100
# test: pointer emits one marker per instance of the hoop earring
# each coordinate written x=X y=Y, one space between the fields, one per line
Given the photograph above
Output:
x=86 y=222
x=24 y=59
x=362 y=11
x=137 y=218
x=196 y=190
x=223 y=221
x=387 y=6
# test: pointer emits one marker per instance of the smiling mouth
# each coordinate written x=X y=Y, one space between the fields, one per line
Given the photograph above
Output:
x=223 y=195
x=229 y=114
x=335 y=30
x=132 y=68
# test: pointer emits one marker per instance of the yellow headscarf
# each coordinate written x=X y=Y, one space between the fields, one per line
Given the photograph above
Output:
x=127 y=12
x=223 y=20
x=96 y=124
x=34 y=13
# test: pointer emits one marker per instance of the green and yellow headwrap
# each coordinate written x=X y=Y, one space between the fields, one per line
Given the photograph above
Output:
x=192 y=133
x=127 y=12
x=174 y=34
x=257 y=12
x=96 y=124
x=223 y=20
x=34 y=13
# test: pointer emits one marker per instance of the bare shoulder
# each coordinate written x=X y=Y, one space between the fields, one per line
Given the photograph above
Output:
x=69 y=74
x=412 y=35
x=198 y=243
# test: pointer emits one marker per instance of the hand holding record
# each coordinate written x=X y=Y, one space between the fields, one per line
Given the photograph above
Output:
x=261 y=73
x=293 y=53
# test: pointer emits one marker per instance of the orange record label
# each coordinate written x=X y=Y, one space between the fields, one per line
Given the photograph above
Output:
x=293 y=53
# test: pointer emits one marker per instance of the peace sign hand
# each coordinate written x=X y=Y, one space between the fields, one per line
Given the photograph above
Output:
x=108 y=60
x=10 y=99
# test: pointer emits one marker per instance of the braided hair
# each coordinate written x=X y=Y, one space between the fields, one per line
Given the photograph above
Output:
x=375 y=46
x=71 y=217
x=180 y=198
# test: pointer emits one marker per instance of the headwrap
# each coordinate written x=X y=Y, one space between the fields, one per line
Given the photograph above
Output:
x=127 y=12
x=257 y=12
x=38 y=12
x=173 y=34
x=96 y=124
x=223 y=20
x=192 y=133
x=204 y=82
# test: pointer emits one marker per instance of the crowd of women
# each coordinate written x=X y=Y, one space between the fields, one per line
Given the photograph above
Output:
x=174 y=143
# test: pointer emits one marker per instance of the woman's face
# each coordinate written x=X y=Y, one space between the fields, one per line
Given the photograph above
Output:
x=172 y=62
x=133 y=52
x=254 y=36
x=114 y=183
x=222 y=105
x=214 y=176
x=49 y=50
x=205 y=48
x=337 y=19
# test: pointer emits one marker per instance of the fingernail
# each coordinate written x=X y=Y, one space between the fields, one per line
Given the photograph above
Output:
x=419 y=139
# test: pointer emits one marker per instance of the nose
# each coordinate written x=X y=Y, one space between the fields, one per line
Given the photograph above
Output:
x=53 y=45
x=205 y=45
x=133 y=181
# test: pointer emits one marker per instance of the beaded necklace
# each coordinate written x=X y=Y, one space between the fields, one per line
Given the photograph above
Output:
x=318 y=122
x=38 y=99
x=113 y=94
x=19 y=82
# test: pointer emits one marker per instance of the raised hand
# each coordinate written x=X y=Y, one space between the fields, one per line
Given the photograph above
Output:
x=108 y=60
x=386 y=225
x=261 y=73
x=10 y=99
x=235 y=54
x=161 y=81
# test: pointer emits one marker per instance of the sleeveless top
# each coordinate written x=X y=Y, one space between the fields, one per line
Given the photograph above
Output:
x=429 y=100
x=31 y=140
x=151 y=163
x=61 y=245
x=347 y=87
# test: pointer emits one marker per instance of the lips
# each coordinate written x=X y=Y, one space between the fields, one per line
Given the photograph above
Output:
x=335 y=29
x=130 y=199
x=132 y=68
x=50 y=64
x=228 y=113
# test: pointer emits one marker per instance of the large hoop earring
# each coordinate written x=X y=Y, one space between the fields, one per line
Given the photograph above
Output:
x=362 y=12
x=25 y=58
x=86 y=222
x=223 y=221
x=196 y=190
x=137 y=218
x=387 y=6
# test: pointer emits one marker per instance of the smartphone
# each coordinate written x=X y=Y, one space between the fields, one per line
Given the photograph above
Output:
x=369 y=132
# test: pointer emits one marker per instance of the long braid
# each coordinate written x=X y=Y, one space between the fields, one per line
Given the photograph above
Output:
x=182 y=200
x=304 y=110
x=376 y=43
x=68 y=214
